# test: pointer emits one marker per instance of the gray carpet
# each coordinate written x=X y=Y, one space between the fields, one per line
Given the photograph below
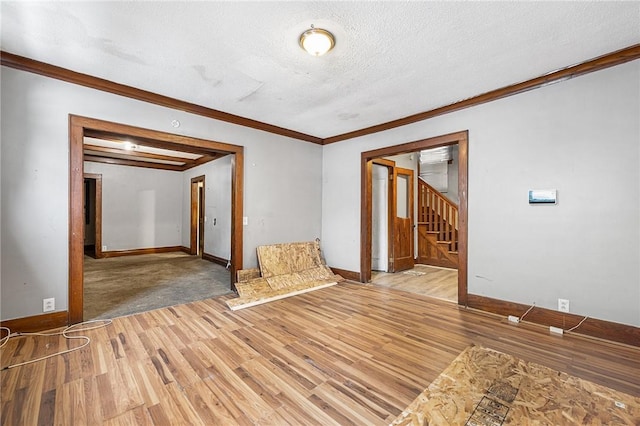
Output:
x=126 y=285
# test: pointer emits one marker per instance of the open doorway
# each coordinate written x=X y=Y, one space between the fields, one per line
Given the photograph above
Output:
x=93 y=215
x=81 y=127
x=197 y=216
x=380 y=157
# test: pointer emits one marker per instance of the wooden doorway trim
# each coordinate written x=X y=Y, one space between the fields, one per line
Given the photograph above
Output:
x=78 y=127
x=98 y=213
x=366 y=161
x=197 y=213
x=390 y=165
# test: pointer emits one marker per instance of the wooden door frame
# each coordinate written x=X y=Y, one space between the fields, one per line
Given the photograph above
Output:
x=195 y=215
x=366 y=161
x=98 y=213
x=390 y=165
x=81 y=126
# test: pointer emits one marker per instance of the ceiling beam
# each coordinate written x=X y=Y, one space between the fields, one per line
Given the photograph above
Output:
x=134 y=153
x=134 y=163
x=173 y=143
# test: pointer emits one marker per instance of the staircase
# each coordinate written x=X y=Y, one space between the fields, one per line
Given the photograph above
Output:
x=437 y=228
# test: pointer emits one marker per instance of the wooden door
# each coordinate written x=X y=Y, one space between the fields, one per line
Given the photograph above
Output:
x=403 y=219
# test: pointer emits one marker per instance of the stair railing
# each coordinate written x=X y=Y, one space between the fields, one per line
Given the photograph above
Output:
x=438 y=213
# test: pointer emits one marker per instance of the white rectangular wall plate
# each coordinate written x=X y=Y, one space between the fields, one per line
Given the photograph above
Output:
x=542 y=196
x=49 y=304
x=556 y=330
x=563 y=305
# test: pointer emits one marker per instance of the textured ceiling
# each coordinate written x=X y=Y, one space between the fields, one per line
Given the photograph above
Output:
x=391 y=59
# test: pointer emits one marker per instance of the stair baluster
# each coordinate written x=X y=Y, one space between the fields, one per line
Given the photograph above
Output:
x=437 y=227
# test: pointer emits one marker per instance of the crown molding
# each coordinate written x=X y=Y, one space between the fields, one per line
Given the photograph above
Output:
x=618 y=57
x=628 y=54
x=30 y=65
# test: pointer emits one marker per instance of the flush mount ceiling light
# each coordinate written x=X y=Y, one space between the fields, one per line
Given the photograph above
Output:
x=317 y=41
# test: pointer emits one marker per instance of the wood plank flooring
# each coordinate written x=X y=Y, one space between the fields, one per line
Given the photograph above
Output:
x=348 y=354
x=441 y=283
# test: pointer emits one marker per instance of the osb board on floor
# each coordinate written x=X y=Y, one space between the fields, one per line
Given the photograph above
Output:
x=272 y=296
x=486 y=387
x=281 y=259
x=286 y=270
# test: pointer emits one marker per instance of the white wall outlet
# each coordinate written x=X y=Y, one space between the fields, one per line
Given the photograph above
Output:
x=563 y=305
x=49 y=305
x=104 y=248
x=245 y=220
x=514 y=319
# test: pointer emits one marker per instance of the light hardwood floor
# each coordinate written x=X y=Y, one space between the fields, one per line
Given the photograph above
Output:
x=348 y=354
x=441 y=283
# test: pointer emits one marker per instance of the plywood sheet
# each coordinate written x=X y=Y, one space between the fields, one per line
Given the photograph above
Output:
x=253 y=287
x=285 y=270
x=486 y=387
x=281 y=259
x=247 y=302
x=243 y=275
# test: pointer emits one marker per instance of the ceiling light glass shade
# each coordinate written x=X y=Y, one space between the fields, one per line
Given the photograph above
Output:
x=317 y=41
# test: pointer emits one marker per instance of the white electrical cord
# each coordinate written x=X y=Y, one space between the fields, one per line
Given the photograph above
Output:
x=70 y=329
x=528 y=310
x=579 y=324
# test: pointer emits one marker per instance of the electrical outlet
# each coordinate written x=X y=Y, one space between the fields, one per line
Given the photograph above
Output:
x=563 y=305
x=104 y=248
x=49 y=305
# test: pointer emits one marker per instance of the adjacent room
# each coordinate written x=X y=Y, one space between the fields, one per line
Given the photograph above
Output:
x=314 y=212
x=136 y=259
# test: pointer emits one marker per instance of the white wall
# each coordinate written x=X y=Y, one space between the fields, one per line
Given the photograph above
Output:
x=217 y=204
x=406 y=161
x=140 y=206
x=452 y=177
x=282 y=181
x=580 y=137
